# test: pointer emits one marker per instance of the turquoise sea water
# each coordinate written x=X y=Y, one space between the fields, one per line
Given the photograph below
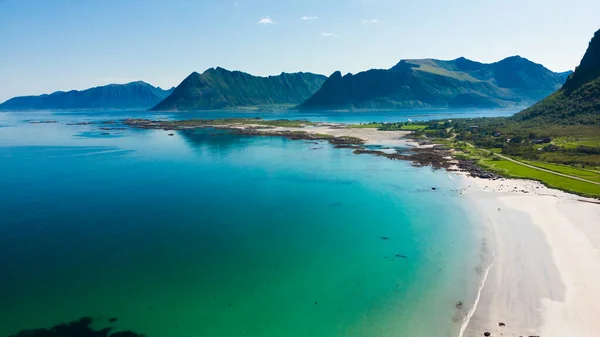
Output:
x=210 y=234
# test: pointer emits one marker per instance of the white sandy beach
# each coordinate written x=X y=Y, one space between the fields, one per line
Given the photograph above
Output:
x=371 y=136
x=545 y=247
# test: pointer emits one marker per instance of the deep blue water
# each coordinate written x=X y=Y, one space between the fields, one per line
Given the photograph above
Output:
x=210 y=234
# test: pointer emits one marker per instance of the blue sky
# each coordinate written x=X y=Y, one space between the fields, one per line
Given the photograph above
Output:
x=61 y=45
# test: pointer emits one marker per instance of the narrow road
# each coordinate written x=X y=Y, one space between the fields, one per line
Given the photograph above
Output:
x=534 y=167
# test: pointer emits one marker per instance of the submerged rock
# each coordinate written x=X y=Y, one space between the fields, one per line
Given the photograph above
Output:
x=79 y=328
x=125 y=334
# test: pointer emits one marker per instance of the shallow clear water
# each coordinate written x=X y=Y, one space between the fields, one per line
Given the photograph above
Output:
x=210 y=234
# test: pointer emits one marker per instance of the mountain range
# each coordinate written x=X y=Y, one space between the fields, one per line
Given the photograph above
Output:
x=424 y=83
x=138 y=95
x=431 y=83
x=578 y=101
x=219 y=88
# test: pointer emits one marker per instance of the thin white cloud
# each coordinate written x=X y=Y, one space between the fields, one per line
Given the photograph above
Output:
x=308 y=18
x=367 y=22
x=266 y=21
x=329 y=34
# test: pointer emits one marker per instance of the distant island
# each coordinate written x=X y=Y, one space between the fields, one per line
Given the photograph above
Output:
x=430 y=83
x=134 y=95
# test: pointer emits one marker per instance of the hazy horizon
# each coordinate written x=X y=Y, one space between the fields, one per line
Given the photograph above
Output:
x=68 y=45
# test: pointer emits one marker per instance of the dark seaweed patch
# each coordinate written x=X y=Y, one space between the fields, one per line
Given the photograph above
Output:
x=79 y=328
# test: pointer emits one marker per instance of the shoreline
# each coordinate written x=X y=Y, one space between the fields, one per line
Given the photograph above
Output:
x=466 y=321
x=393 y=145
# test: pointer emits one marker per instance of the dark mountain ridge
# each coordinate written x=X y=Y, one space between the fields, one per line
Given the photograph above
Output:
x=219 y=88
x=578 y=101
x=431 y=83
x=113 y=96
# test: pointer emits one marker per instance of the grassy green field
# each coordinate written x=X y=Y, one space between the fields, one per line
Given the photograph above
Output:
x=570 y=143
x=430 y=66
x=390 y=126
x=580 y=173
x=513 y=170
x=413 y=127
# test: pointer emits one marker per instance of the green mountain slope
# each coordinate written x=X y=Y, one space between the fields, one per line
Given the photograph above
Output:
x=430 y=83
x=218 y=88
x=113 y=96
x=578 y=101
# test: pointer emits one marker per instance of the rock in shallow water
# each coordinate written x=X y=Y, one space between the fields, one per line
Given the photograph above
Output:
x=79 y=328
